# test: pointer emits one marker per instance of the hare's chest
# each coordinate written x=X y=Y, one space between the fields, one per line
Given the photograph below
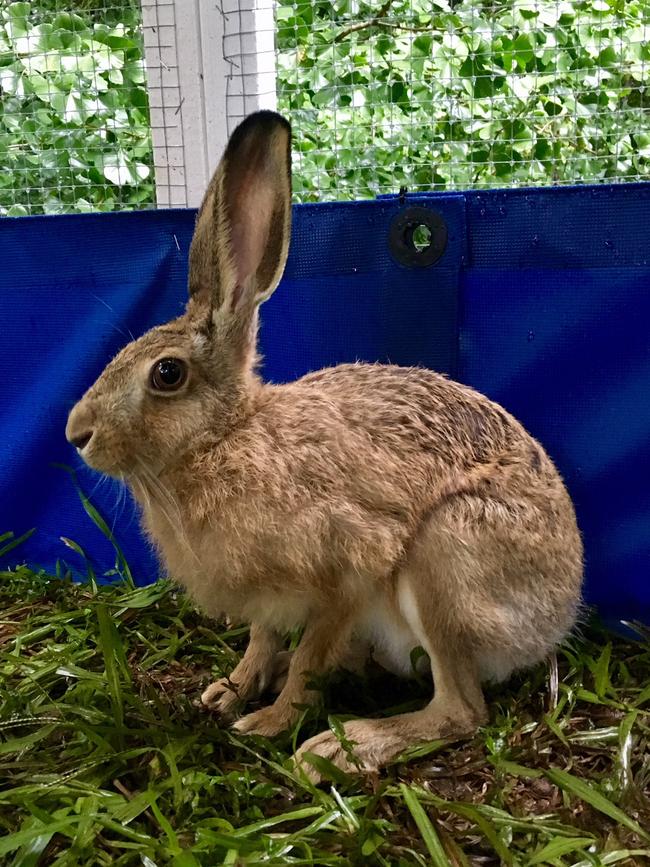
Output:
x=281 y=610
x=248 y=580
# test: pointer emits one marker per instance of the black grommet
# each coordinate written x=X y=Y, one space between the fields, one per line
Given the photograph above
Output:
x=417 y=237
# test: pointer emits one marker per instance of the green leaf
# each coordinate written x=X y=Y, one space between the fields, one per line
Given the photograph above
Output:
x=30 y=853
x=328 y=770
x=20 y=745
x=601 y=672
x=515 y=769
x=32 y=835
x=18 y=10
x=643 y=697
x=477 y=817
x=70 y=21
x=613 y=857
x=121 y=563
x=185 y=859
x=420 y=750
x=17 y=16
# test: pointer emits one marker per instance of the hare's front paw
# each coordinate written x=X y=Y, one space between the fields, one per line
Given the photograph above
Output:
x=223 y=698
x=269 y=721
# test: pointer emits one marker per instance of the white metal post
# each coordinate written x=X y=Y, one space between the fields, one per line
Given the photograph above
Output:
x=209 y=64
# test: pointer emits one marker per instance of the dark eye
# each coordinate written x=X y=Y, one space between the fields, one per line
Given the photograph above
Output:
x=168 y=374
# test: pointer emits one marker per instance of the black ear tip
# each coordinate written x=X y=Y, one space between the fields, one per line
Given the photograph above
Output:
x=262 y=123
x=266 y=117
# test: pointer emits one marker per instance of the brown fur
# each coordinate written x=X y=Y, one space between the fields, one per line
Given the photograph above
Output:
x=375 y=506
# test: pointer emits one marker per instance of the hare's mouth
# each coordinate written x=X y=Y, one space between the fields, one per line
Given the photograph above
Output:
x=85 y=444
x=82 y=441
x=93 y=456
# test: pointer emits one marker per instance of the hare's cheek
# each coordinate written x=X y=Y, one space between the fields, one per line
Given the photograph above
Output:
x=132 y=401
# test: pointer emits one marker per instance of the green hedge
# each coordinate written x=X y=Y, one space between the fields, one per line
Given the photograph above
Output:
x=441 y=93
x=429 y=93
x=74 y=117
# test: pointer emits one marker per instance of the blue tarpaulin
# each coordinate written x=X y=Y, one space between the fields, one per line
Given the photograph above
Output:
x=541 y=300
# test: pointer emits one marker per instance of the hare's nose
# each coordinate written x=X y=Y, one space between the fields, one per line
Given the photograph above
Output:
x=79 y=429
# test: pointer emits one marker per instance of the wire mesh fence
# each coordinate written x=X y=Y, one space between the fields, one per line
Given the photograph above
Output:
x=446 y=94
x=74 y=119
x=209 y=64
x=111 y=104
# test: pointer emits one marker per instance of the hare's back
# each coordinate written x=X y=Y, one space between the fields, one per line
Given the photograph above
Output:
x=414 y=408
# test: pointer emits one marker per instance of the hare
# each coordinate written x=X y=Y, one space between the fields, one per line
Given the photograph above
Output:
x=376 y=507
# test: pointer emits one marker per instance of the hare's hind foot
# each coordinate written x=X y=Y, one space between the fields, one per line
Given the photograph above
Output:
x=369 y=744
x=456 y=711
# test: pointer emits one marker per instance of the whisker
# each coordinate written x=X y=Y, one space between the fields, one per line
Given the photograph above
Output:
x=118 y=509
x=112 y=324
x=127 y=499
x=165 y=501
x=101 y=482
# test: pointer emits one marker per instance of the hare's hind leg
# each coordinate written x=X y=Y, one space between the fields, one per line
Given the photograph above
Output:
x=457 y=707
x=488 y=587
x=456 y=710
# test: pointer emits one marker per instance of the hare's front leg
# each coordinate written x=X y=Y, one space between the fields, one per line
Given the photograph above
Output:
x=254 y=673
x=322 y=648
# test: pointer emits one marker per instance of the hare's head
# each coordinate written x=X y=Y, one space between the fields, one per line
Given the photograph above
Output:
x=195 y=376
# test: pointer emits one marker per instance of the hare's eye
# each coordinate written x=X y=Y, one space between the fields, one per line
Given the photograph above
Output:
x=168 y=374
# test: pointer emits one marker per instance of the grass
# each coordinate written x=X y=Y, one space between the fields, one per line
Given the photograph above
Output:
x=107 y=758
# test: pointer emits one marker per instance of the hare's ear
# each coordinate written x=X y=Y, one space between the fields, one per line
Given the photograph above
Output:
x=241 y=238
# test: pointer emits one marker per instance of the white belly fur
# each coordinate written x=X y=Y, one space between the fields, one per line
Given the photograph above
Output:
x=390 y=637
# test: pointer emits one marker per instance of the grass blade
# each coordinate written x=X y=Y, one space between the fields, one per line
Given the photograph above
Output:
x=14 y=543
x=29 y=836
x=615 y=856
x=328 y=770
x=488 y=830
x=594 y=798
x=601 y=671
x=425 y=827
x=111 y=647
x=29 y=855
x=559 y=846
x=121 y=563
